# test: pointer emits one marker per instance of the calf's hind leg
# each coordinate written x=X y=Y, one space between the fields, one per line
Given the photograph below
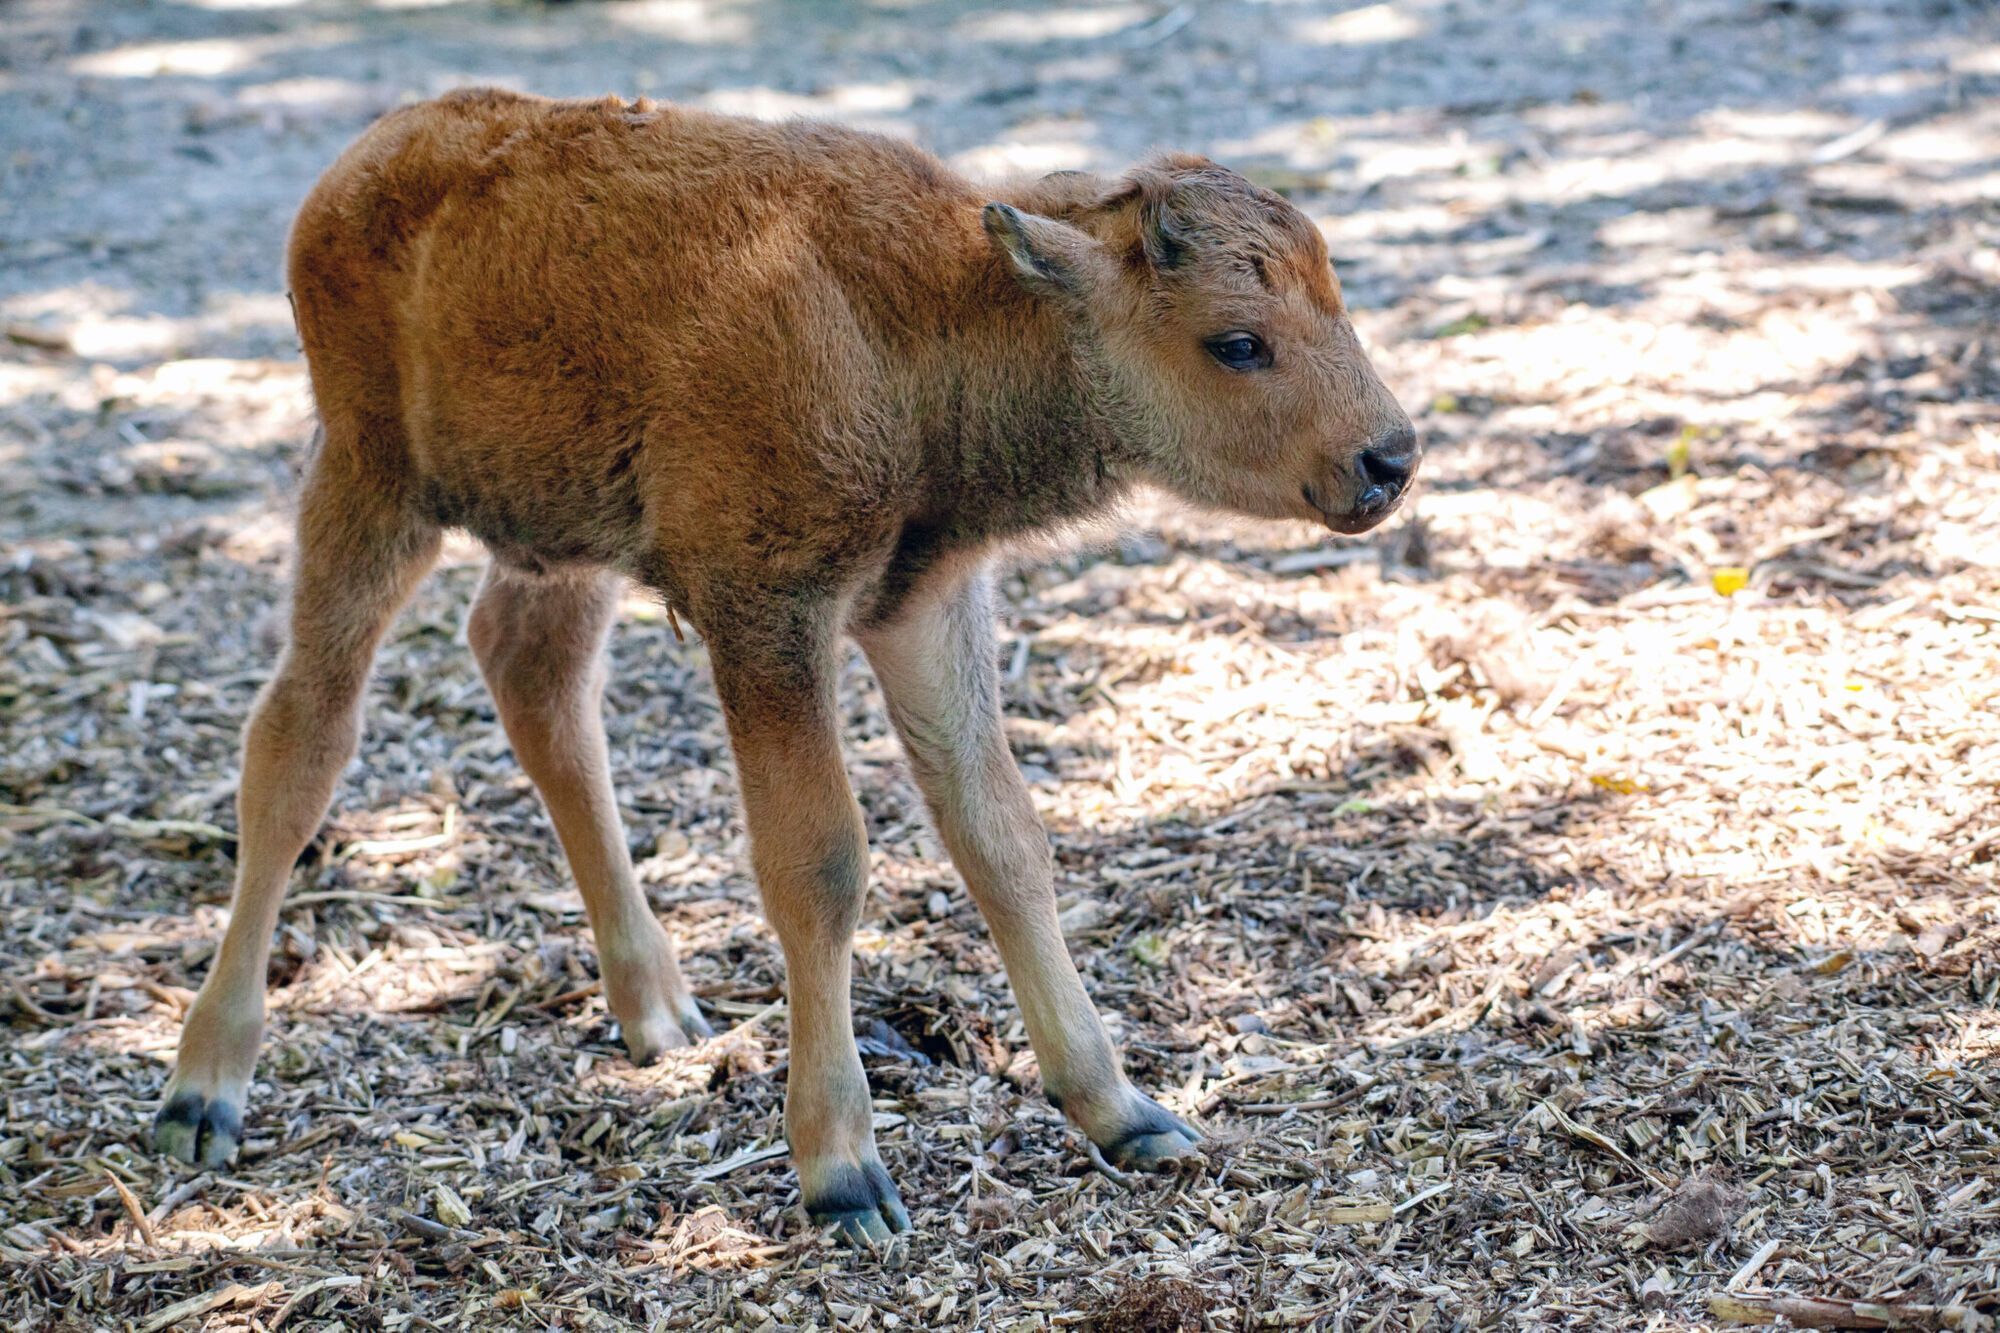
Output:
x=358 y=560
x=540 y=644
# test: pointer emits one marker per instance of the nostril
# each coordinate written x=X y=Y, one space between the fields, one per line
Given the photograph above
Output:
x=1390 y=460
x=1383 y=470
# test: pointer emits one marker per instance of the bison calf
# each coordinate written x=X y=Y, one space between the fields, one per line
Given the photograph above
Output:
x=799 y=382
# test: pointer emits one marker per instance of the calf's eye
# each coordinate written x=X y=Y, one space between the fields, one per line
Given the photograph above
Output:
x=1239 y=350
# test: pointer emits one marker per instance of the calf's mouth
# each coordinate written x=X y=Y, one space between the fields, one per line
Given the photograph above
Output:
x=1369 y=508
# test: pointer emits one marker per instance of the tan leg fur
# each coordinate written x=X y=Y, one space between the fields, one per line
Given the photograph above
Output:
x=357 y=563
x=936 y=667
x=540 y=640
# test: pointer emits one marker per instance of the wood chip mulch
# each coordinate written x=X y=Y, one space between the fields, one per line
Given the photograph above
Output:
x=1574 y=907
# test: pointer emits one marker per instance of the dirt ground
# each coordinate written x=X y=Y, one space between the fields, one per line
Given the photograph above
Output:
x=1572 y=907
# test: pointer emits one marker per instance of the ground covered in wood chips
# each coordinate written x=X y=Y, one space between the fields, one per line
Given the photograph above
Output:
x=1573 y=906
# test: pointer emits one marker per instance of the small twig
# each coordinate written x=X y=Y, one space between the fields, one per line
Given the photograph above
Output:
x=1755 y=1264
x=1214 y=1096
x=27 y=1002
x=1558 y=693
x=1416 y=1199
x=748 y=1157
x=1163 y=27
x=1312 y=1104
x=1847 y=145
x=311 y=1289
x=569 y=996
x=1321 y=557
x=285 y=1147
x=1596 y=1140
x=50 y=812
x=430 y=1230
x=163 y=828
x=748 y=1024
x=27 y=335
x=1641 y=967
x=404 y=846
x=366 y=896
x=132 y=1209
x=233 y=1294
x=181 y=1194
x=1828 y=1312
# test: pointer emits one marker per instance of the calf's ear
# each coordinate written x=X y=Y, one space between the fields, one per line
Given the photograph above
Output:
x=1047 y=257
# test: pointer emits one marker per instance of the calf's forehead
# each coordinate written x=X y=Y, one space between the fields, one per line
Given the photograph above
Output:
x=1303 y=267
x=1296 y=290
x=1282 y=247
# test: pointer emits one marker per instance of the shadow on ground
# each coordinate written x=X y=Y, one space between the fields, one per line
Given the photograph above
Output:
x=1503 y=873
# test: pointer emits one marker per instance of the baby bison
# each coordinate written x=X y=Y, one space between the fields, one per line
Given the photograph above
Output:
x=800 y=383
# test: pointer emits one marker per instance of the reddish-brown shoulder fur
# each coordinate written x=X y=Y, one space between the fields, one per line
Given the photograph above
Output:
x=581 y=328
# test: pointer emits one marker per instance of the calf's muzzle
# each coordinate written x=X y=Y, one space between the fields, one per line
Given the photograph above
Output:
x=1386 y=467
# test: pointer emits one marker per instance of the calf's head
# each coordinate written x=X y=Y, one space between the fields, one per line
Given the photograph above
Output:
x=1215 y=342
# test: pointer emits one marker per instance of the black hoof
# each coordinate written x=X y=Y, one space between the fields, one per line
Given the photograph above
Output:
x=1150 y=1138
x=194 y=1129
x=696 y=1027
x=861 y=1201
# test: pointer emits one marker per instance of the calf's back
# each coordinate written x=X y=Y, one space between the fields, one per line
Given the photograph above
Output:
x=618 y=332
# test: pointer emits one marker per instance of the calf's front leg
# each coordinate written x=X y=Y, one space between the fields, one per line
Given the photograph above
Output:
x=935 y=662
x=809 y=849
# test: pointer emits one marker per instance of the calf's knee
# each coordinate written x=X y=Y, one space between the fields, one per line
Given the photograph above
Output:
x=813 y=883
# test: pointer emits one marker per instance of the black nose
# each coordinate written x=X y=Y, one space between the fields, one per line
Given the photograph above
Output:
x=1389 y=461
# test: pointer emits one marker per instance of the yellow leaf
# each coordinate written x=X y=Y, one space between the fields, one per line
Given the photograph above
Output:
x=1729 y=579
x=1678 y=452
x=1623 y=786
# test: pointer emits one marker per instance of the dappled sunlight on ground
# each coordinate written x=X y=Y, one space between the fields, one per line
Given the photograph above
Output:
x=1615 y=829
